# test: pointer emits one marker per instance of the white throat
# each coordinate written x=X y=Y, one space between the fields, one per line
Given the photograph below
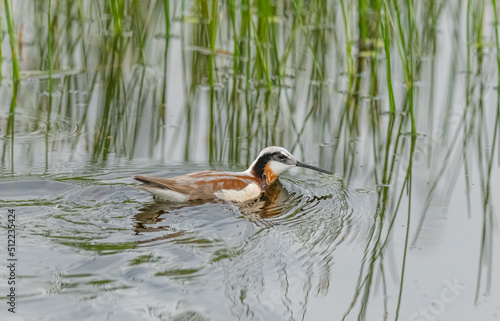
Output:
x=278 y=167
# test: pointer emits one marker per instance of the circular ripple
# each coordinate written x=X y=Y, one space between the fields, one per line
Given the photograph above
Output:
x=28 y=127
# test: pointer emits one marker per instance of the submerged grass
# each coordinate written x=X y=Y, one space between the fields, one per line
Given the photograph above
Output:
x=351 y=77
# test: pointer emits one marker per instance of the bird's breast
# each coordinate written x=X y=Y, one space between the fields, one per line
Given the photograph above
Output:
x=251 y=191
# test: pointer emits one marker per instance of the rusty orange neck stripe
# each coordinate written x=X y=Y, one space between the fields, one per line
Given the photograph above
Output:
x=269 y=175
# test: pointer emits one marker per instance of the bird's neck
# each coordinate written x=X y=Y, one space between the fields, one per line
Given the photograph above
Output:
x=265 y=174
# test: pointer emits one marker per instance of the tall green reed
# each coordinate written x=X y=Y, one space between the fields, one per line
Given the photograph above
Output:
x=16 y=78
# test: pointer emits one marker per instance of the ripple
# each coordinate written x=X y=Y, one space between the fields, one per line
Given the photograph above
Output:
x=285 y=242
x=28 y=127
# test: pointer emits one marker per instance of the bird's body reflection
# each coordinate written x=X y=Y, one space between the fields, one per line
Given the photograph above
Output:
x=273 y=202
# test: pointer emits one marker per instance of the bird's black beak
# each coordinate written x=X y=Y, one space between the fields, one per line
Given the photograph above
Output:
x=299 y=164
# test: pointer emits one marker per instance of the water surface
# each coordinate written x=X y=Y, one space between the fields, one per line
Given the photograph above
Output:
x=401 y=102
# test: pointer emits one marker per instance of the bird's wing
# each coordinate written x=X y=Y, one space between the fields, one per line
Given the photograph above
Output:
x=164 y=183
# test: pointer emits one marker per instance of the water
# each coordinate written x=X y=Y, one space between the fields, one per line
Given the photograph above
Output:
x=111 y=251
x=406 y=229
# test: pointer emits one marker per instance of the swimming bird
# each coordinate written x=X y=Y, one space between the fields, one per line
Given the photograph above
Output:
x=225 y=186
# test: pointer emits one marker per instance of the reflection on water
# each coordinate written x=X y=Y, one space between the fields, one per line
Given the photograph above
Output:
x=400 y=99
x=197 y=254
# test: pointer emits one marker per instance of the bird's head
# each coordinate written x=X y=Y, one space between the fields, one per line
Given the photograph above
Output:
x=273 y=161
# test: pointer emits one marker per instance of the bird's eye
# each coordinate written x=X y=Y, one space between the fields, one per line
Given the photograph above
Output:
x=282 y=157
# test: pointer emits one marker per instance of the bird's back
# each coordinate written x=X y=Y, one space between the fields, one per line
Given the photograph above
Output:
x=204 y=185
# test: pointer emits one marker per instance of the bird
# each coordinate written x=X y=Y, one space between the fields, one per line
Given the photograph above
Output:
x=226 y=186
